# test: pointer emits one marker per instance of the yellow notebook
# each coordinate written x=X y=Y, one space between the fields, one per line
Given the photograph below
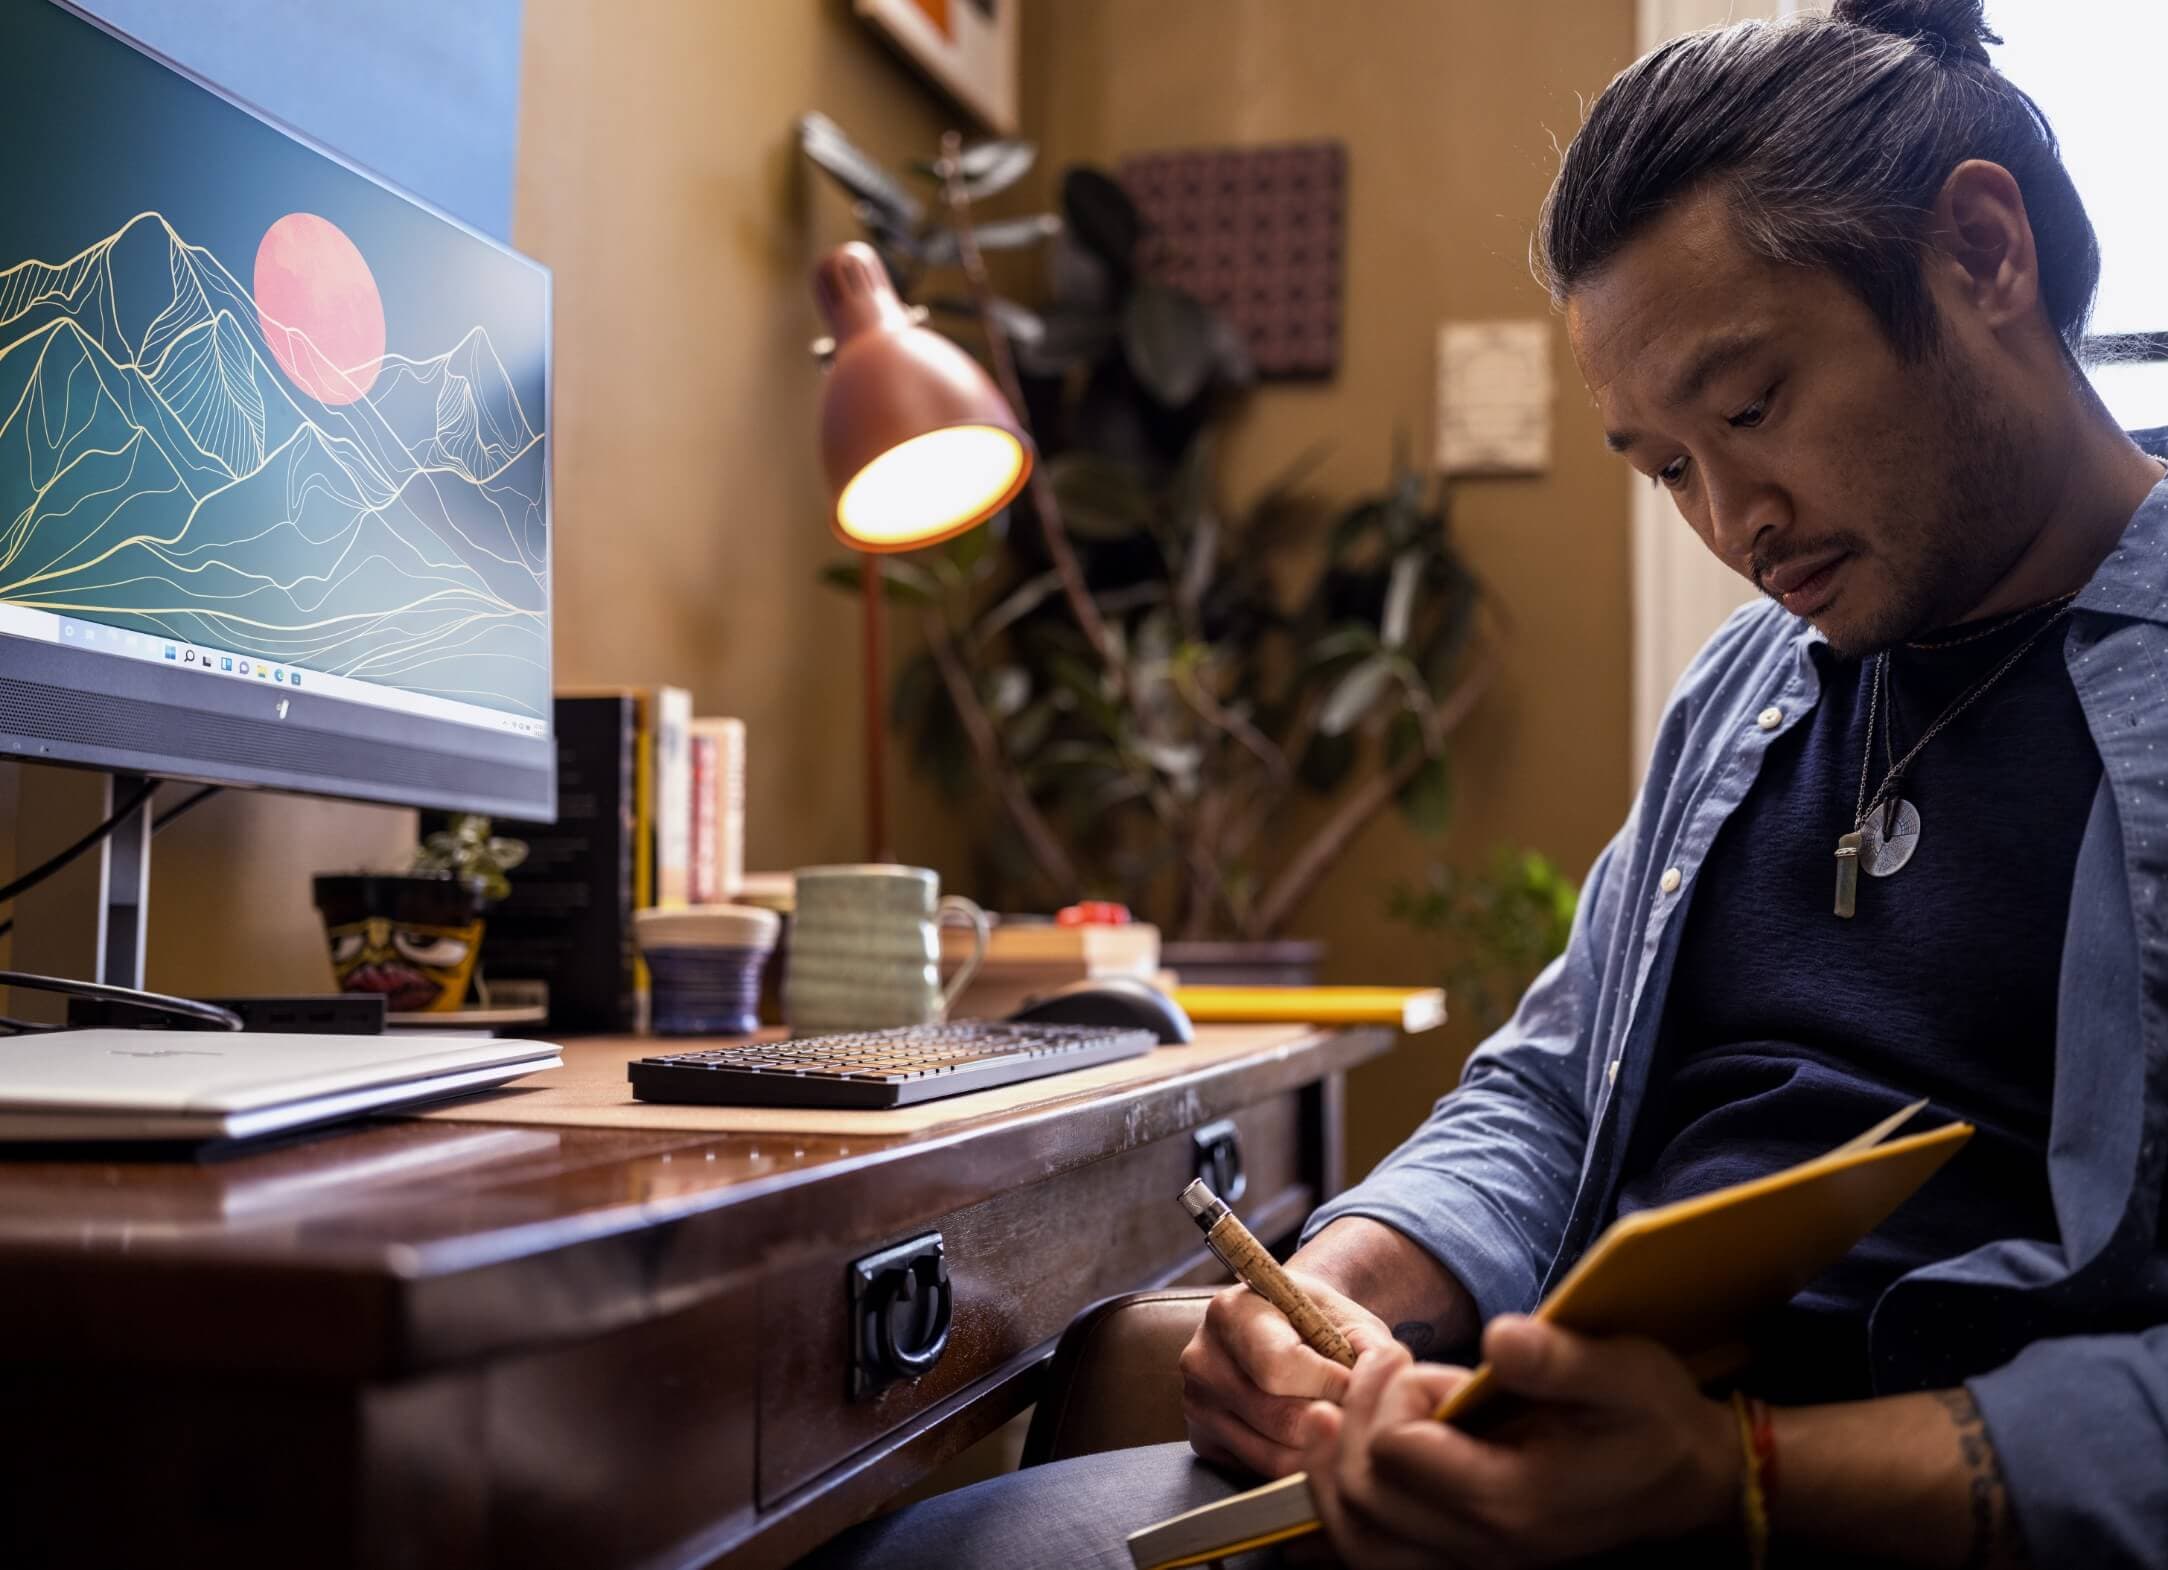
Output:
x=1691 y=1276
x=1409 y=1008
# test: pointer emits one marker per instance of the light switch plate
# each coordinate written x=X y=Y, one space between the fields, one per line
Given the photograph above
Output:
x=1494 y=397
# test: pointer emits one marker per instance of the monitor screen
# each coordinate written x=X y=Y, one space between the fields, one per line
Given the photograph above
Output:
x=274 y=457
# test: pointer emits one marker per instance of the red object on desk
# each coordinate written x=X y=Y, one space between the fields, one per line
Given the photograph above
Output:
x=1092 y=913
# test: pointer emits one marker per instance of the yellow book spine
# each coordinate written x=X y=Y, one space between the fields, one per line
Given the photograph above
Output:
x=643 y=836
x=1407 y=1008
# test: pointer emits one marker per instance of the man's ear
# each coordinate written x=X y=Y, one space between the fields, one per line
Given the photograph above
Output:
x=1982 y=246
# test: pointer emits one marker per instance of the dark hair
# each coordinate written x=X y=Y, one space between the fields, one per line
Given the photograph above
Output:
x=1831 y=138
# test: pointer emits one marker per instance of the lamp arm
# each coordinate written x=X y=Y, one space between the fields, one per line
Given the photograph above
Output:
x=1058 y=548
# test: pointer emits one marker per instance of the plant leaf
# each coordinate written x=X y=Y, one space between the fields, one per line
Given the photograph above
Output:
x=1407 y=573
x=1069 y=337
x=1427 y=799
x=1101 y=498
x=1078 y=278
x=989 y=168
x=1008 y=689
x=1357 y=691
x=1027 y=731
x=1326 y=762
x=823 y=141
x=1232 y=365
x=938 y=247
x=1179 y=761
x=1020 y=602
x=906 y=583
x=917 y=685
x=970 y=551
x=1343 y=643
x=1167 y=341
x=1101 y=215
x=1024 y=326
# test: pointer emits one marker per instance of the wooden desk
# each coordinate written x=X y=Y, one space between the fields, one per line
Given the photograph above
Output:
x=504 y=1336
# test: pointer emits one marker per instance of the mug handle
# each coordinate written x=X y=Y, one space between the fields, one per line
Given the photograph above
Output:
x=964 y=911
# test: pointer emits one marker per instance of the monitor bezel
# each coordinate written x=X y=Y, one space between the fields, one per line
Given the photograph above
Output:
x=104 y=691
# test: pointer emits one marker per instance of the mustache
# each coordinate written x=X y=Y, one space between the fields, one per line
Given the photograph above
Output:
x=1764 y=563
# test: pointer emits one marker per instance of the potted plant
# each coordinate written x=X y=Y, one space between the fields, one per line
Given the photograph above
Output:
x=1153 y=685
x=414 y=936
x=1498 y=926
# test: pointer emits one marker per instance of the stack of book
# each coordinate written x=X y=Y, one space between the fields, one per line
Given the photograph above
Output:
x=651 y=812
x=1027 y=958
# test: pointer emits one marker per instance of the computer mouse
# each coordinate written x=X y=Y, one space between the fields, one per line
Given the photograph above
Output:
x=1121 y=1001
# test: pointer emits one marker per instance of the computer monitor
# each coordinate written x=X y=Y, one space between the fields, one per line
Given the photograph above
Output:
x=274 y=456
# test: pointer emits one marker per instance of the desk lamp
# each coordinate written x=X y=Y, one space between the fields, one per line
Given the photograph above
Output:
x=918 y=446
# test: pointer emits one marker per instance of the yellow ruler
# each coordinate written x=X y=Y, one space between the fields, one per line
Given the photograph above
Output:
x=1409 y=1008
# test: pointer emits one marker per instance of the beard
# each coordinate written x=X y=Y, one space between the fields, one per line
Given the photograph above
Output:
x=1949 y=506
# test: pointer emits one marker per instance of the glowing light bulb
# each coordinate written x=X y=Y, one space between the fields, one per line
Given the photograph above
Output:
x=932 y=485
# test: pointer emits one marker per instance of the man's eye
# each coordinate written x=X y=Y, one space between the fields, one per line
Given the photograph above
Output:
x=1672 y=474
x=1753 y=414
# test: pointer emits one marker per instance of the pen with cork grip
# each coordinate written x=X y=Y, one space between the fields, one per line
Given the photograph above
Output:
x=1237 y=1248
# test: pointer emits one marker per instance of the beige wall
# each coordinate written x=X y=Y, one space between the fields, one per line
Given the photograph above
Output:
x=660 y=179
x=1448 y=109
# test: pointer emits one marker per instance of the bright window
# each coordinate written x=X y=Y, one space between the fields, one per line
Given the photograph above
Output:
x=2093 y=66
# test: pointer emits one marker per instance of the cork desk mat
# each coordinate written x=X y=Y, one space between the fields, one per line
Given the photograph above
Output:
x=591 y=1091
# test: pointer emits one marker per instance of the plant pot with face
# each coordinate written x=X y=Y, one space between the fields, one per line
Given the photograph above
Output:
x=412 y=936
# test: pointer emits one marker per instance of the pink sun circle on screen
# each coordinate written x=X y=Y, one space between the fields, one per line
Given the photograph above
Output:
x=318 y=305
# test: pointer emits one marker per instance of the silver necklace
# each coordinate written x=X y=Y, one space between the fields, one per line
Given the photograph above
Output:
x=1886 y=828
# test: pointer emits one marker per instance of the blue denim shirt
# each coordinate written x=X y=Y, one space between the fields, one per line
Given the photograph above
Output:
x=2063 y=1344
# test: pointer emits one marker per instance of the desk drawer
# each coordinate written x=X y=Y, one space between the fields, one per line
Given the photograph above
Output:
x=1020 y=1267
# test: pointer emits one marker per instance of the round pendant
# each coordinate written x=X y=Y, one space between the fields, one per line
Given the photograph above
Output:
x=1879 y=857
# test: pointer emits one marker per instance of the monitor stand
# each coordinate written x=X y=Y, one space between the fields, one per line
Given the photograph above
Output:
x=124 y=887
x=88 y=920
x=107 y=899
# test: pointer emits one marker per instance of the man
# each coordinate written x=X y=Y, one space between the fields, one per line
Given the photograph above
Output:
x=1903 y=836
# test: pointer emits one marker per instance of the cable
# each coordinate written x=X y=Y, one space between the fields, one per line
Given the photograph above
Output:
x=101 y=832
x=53 y=864
x=188 y=1008
x=194 y=801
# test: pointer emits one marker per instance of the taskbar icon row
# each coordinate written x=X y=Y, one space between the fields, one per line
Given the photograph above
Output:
x=132 y=643
x=149 y=646
x=232 y=665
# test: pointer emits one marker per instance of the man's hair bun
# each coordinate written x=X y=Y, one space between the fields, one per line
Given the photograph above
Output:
x=1954 y=29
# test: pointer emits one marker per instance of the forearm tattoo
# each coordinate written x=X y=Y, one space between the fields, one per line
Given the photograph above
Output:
x=1995 y=1537
x=1417 y=1335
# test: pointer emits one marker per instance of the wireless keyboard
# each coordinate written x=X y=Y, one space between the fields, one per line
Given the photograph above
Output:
x=880 y=1068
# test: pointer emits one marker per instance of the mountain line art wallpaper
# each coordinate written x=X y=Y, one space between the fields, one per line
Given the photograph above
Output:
x=252 y=399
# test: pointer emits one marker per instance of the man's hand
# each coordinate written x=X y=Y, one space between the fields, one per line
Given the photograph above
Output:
x=1617 y=1445
x=1248 y=1379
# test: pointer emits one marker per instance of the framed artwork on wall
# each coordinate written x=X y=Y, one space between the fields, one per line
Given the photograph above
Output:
x=968 y=48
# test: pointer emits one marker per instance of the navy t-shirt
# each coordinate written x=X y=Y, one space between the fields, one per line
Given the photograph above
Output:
x=1789 y=1029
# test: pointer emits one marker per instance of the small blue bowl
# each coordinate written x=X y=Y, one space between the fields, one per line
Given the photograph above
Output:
x=704 y=991
x=704 y=965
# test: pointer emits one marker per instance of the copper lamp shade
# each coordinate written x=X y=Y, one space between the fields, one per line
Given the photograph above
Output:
x=917 y=442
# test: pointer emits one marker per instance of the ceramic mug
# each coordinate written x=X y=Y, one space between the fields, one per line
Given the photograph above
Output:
x=703 y=967
x=864 y=952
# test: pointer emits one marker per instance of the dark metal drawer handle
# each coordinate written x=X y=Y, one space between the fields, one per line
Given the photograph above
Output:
x=1216 y=1157
x=901 y=1309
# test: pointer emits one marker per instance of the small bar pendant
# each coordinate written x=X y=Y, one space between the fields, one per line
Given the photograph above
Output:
x=1848 y=874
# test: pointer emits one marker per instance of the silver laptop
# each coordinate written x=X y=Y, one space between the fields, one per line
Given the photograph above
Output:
x=186 y=1085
